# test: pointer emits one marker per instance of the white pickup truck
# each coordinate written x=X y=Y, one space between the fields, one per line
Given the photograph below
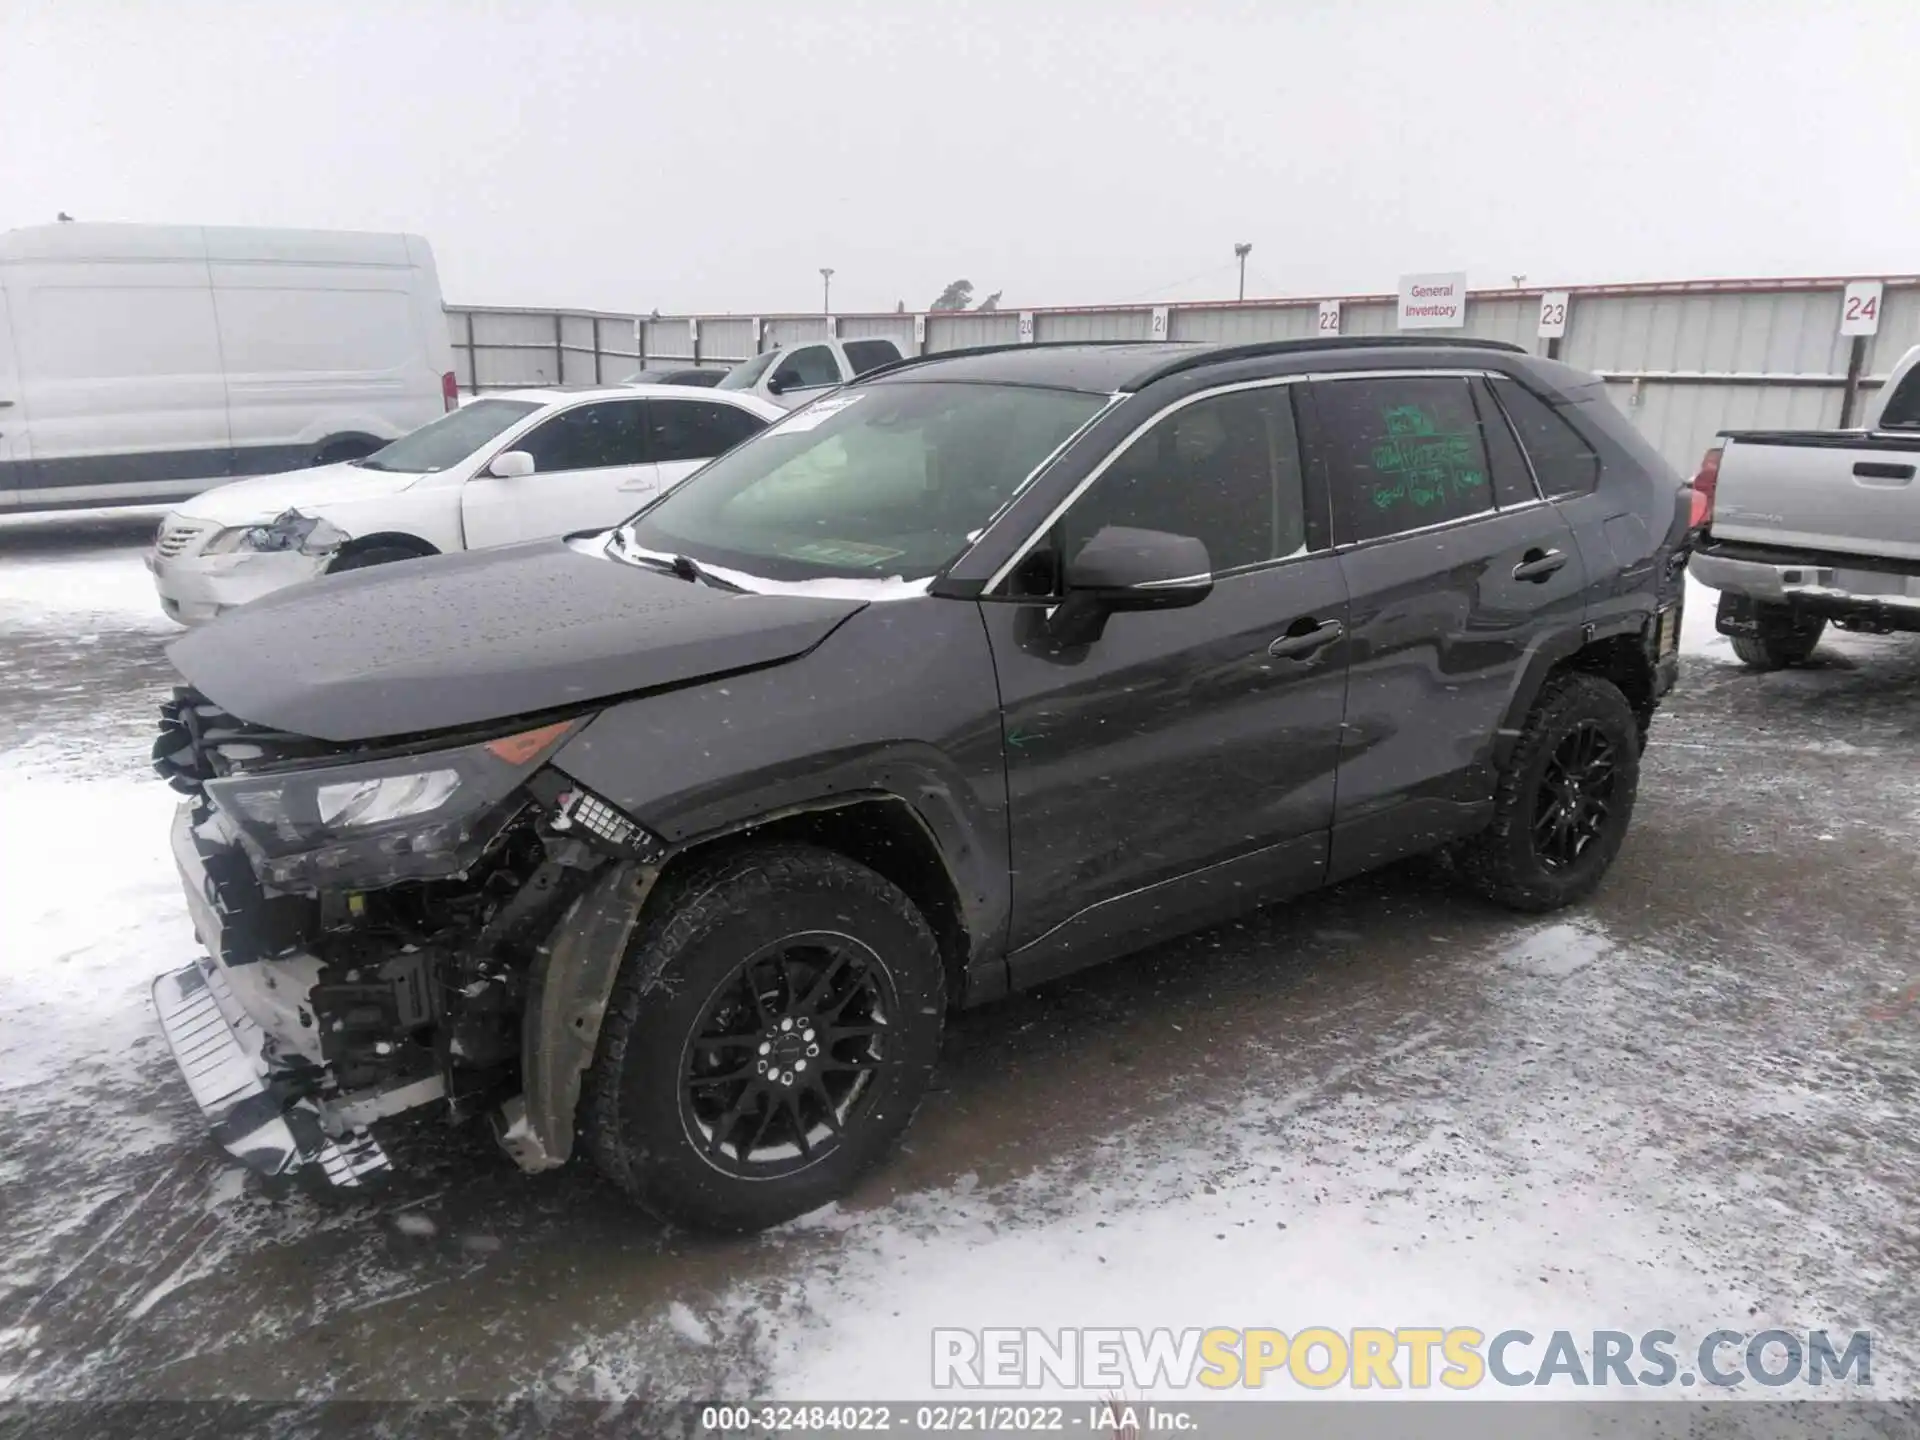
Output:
x=1796 y=528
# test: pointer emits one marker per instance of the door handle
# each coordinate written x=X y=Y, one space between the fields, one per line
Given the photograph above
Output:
x=1876 y=470
x=1537 y=565
x=7 y=404
x=1292 y=646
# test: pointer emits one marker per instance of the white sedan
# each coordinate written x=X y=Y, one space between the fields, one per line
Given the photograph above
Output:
x=511 y=465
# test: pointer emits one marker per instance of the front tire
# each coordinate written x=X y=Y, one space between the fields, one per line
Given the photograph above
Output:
x=1564 y=802
x=376 y=554
x=771 y=1033
x=1785 y=639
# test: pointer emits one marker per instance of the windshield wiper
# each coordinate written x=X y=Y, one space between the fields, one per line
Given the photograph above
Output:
x=683 y=566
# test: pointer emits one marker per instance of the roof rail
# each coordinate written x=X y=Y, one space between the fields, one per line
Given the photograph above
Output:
x=907 y=362
x=1217 y=354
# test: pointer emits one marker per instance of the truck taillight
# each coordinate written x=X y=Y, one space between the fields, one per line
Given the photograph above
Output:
x=1703 y=484
x=450 y=390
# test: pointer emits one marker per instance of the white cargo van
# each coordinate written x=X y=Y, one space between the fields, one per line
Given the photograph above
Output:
x=143 y=363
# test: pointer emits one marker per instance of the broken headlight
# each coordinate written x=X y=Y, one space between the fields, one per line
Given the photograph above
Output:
x=289 y=530
x=410 y=817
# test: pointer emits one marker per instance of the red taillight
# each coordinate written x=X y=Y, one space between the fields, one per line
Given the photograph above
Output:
x=1704 y=482
x=450 y=390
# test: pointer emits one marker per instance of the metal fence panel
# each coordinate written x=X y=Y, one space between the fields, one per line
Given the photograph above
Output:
x=897 y=328
x=494 y=327
x=727 y=339
x=959 y=329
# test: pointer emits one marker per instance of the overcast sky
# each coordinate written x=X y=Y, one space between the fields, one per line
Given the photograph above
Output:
x=698 y=155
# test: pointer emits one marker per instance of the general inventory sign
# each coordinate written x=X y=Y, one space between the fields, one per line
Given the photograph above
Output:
x=1433 y=302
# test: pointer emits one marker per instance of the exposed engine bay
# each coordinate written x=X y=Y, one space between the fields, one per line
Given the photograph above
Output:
x=376 y=918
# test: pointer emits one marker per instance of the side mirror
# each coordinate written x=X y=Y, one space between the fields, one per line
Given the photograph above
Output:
x=775 y=385
x=511 y=465
x=1121 y=568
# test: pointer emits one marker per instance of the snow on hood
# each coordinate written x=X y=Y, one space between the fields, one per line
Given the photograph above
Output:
x=260 y=498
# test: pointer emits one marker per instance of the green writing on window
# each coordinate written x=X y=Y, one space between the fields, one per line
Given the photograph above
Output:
x=1419 y=465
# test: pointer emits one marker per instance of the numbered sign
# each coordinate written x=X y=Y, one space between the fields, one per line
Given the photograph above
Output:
x=1553 y=314
x=920 y=330
x=1329 y=318
x=693 y=330
x=1860 y=308
x=1026 y=327
x=1159 y=322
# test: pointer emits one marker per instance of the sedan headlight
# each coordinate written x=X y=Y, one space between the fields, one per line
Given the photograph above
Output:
x=289 y=530
x=411 y=817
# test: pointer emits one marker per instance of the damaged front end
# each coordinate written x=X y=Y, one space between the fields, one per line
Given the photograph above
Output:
x=380 y=920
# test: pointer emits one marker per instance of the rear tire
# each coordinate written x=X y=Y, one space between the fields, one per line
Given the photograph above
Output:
x=771 y=1033
x=1785 y=639
x=1564 y=801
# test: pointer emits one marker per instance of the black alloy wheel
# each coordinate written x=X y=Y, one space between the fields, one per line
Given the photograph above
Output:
x=787 y=1055
x=1575 y=797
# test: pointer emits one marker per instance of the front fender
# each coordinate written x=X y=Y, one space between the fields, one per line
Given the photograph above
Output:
x=900 y=700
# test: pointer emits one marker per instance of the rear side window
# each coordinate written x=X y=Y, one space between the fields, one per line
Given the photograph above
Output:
x=697 y=429
x=807 y=367
x=590 y=437
x=865 y=355
x=1402 y=453
x=1564 y=463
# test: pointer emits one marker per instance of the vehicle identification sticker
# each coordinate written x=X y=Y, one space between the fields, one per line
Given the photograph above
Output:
x=1669 y=631
x=825 y=408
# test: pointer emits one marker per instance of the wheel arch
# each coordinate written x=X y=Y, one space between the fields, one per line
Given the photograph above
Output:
x=345 y=445
x=1620 y=657
x=381 y=539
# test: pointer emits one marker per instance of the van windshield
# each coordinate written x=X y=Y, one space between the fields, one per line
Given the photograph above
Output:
x=893 y=480
x=448 y=440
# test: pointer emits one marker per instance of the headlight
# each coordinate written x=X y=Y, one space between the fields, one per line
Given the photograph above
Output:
x=412 y=817
x=289 y=530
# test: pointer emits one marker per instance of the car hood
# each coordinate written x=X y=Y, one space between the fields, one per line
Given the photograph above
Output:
x=252 y=501
x=483 y=635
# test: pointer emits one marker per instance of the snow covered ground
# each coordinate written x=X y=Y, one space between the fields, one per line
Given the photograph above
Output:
x=1687 y=1106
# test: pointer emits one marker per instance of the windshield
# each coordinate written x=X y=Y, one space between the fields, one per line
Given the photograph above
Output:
x=743 y=375
x=889 y=481
x=450 y=439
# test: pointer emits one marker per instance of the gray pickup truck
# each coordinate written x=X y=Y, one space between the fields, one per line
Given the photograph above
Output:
x=1799 y=528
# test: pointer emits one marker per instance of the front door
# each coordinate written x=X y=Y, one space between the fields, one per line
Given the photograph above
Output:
x=802 y=374
x=591 y=470
x=1454 y=577
x=1180 y=765
x=14 y=449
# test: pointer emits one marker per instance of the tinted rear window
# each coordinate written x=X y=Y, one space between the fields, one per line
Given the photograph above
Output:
x=865 y=355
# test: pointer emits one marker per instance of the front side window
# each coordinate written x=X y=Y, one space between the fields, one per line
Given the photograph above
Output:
x=697 y=429
x=808 y=367
x=894 y=480
x=1224 y=470
x=747 y=373
x=1564 y=463
x=445 y=442
x=865 y=355
x=590 y=437
x=1402 y=453
x=1902 y=410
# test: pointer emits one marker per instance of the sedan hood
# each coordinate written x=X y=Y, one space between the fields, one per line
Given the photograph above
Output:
x=482 y=635
x=255 y=501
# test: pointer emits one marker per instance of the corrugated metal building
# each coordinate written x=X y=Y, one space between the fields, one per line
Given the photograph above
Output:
x=1684 y=359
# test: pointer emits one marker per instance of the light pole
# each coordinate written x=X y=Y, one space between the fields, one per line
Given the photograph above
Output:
x=826 y=289
x=1240 y=254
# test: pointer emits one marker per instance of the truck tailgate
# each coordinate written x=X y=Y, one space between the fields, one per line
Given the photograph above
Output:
x=1849 y=492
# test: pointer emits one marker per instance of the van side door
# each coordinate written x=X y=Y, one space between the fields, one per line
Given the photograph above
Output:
x=1452 y=586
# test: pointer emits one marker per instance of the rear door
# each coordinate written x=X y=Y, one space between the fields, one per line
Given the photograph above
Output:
x=591 y=469
x=14 y=449
x=682 y=435
x=1451 y=586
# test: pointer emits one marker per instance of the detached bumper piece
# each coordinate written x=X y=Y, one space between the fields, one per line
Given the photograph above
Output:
x=215 y=1044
